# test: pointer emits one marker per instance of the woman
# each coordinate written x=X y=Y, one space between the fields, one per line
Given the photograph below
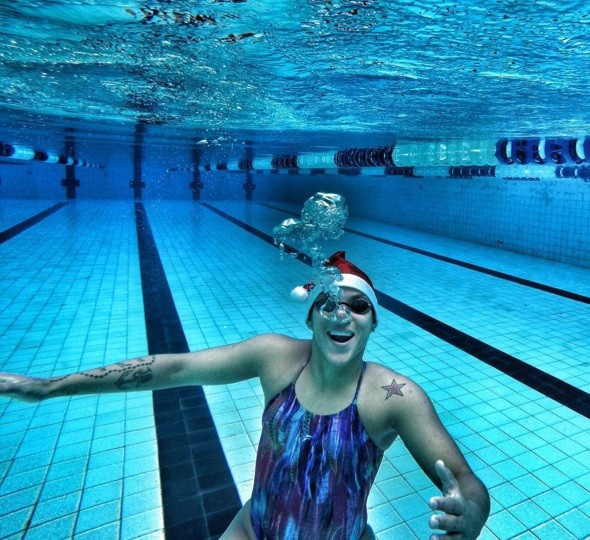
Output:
x=328 y=419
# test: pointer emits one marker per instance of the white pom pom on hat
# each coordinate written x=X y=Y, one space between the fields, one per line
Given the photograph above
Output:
x=301 y=293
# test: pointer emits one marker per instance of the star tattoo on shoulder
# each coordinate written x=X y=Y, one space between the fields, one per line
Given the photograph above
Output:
x=393 y=388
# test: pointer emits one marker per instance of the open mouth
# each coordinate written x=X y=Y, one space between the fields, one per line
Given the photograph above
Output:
x=340 y=337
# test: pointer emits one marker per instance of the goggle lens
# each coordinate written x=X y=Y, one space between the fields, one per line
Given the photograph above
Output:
x=358 y=306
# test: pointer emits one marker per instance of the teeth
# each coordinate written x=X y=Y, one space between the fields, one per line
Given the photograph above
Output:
x=341 y=337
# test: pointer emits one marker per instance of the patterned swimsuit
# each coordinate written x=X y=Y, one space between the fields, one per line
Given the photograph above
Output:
x=313 y=472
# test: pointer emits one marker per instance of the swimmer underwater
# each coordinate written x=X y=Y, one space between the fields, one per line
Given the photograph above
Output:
x=329 y=417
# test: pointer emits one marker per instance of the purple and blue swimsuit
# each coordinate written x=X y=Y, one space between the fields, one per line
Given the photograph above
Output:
x=313 y=472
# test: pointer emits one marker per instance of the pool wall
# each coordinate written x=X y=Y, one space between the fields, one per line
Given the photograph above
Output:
x=546 y=218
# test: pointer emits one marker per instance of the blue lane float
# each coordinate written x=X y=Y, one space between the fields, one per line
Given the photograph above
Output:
x=20 y=153
x=514 y=159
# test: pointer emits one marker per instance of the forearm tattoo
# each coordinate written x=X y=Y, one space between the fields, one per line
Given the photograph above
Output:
x=133 y=373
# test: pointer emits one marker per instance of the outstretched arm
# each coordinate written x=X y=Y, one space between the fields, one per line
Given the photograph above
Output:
x=465 y=503
x=219 y=365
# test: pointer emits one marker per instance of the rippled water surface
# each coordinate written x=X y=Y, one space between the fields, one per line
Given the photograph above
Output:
x=217 y=69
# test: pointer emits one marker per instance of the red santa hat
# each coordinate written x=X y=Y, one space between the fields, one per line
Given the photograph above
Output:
x=352 y=276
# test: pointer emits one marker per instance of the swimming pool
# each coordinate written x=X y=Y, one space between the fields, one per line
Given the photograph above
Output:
x=147 y=153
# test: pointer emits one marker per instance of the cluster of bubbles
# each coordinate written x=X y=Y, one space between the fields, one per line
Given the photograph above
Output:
x=322 y=219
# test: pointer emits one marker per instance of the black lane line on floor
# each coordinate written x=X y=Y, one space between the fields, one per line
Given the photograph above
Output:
x=24 y=225
x=198 y=492
x=482 y=269
x=550 y=386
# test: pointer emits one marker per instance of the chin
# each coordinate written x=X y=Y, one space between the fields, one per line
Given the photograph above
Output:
x=338 y=354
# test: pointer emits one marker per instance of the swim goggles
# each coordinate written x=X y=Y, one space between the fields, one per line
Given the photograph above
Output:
x=358 y=306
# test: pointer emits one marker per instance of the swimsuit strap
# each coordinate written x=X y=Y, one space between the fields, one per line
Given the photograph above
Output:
x=301 y=371
x=358 y=386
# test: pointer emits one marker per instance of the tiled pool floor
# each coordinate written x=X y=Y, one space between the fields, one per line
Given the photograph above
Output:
x=88 y=467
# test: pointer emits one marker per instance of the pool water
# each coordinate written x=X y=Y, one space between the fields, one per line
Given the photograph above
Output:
x=89 y=467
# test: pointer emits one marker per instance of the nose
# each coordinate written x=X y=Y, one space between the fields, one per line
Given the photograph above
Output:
x=342 y=314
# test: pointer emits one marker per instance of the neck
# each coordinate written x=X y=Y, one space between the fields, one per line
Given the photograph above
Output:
x=327 y=375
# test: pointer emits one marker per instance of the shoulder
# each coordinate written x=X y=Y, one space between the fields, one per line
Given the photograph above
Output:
x=281 y=358
x=277 y=346
x=265 y=346
x=390 y=393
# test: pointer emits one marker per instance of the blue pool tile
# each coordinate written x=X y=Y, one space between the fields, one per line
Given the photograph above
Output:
x=411 y=506
x=577 y=523
x=138 y=436
x=531 y=441
x=504 y=525
x=399 y=532
x=103 y=475
x=12 y=523
x=509 y=469
x=383 y=517
x=575 y=470
x=529 y=514
x=65 y=469
x=551 y=476
x=420 y=526
x=140 y=482
x=507 y=495
x=147 y=499
x=58 y=487
x=18 y=500
x=490 y=477
x=525 y=536
x=103 y=459
x=492 y=455
x=395 y=488
x=52 y=509
x=530 y=461
x=103 y=493
x=553 y=531
x=139 y=450
x=554 y=503
x=419 y=480
x=573 y=493
x=58 y=528
x=110 y=530
x=98 y=516
x=16 y=482
x=551 y=453
x=142 y=525
x=530 y=485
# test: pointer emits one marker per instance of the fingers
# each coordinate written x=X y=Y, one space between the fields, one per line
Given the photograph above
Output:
x=447 y=522
x=448 y=505
x=451 y=503
x=450 y=486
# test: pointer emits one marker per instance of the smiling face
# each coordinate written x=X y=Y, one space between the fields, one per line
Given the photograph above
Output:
x=342 y=340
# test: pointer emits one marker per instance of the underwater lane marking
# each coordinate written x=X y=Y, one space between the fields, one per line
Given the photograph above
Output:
x=470 y=266
x=199 y=496
x=27 y=223
x=550 y=386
